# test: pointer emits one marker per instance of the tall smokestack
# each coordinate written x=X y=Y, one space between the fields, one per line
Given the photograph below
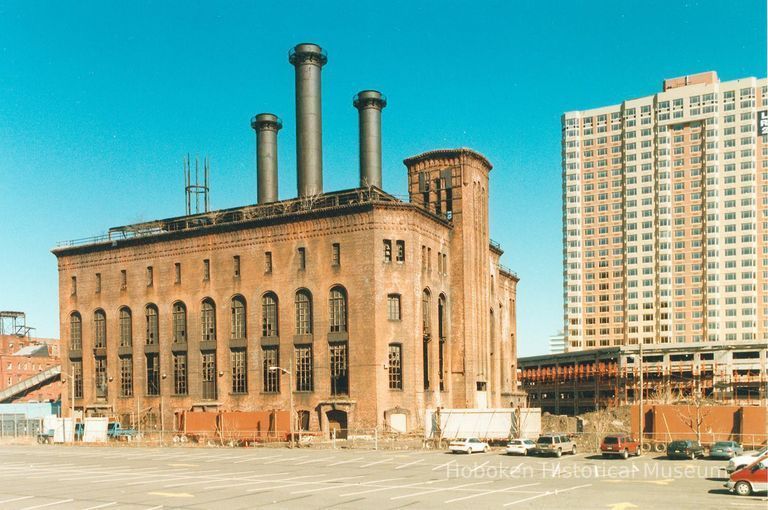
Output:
x=370 y=103
x=308 y=59
x=266 y=126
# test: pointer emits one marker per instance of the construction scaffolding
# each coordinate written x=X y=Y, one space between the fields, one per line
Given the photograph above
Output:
x=579 y=382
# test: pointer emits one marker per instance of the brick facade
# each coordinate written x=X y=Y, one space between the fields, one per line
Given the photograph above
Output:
x=367 y=251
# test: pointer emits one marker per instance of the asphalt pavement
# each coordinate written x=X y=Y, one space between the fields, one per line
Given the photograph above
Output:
x=130 y=477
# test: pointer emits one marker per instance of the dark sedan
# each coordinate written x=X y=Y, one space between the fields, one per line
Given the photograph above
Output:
x=685 y=449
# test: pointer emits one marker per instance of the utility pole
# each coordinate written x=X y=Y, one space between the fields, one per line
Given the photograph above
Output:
x=642 y=413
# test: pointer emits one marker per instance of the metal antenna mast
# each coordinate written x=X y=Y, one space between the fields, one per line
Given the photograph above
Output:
x=195 y=188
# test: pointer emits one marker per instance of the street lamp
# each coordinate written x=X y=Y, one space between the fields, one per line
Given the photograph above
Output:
x=110 y=396
x=290 y=392
x=162 y=411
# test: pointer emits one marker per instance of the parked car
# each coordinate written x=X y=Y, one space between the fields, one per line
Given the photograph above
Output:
x=725 y=450
x=745 y=460
x=468 y=445
x=685 y=449
x=520 y=447
x=554 y=444
x=749 y=479
x=115 y=431
x=621 y=445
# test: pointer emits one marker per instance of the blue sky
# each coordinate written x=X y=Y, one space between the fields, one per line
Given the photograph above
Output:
x=100 y=101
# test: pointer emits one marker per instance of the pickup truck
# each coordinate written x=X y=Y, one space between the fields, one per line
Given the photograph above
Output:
x=115 y=431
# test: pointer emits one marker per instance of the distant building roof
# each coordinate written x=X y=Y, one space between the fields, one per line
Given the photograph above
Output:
x=33 y=350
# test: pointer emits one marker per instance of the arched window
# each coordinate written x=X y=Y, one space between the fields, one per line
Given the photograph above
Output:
x=208 y=320
x=126 y=330
x=238 y=318
x=303 y=312
x=269 y=321
x=99 y=329
x=75 y=331
x=337 y=307
x=179 y=323
x=150 y=312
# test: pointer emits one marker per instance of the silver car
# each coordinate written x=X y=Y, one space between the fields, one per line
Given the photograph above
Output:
x=725 y=450
x=554 y=444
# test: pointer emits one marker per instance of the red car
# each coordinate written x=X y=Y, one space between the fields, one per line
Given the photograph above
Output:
x=753 y=478
x=621 y=445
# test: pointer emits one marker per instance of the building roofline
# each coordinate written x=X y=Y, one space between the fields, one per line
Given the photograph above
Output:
x=598 y=109
x=448 y=153
x=647 y=349
x=228 y=220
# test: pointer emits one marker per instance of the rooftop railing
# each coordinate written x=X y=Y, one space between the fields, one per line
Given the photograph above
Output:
x=308 y=204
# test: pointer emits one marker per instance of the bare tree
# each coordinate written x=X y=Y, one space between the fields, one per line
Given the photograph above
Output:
x=694 y=411
x=665 y=394
x=308 y=201
x=600 y=423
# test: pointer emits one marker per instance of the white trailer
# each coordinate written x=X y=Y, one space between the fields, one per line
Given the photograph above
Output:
x=487 y=424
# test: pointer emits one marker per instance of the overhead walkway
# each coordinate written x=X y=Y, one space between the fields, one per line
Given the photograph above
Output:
x=21 y=388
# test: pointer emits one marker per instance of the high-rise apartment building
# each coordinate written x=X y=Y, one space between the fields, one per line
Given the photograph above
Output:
x=664 y=216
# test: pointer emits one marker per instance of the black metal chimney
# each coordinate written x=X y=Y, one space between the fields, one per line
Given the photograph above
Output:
x=370 y=103
x=266 y=126
x=308 y=59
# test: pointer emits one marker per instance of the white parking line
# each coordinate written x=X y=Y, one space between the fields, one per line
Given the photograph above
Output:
x=388 y=487
x=117 y=475
x=478 y=467
x=200 y=479
x=154 y=479
x=251 y=482
x=331 y=486
x=252 y=459
x=322 y=459
x=105 y=505
x=378 y=462
x=49 y=504
x=339 y=463
x=409 y=464
x=439 y=489
x=548 y=493
x=283 y=486
x=528 y=498
x=489 y=492
x=441 y=465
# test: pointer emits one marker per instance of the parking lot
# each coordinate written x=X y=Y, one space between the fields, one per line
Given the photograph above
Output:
x=58 y=477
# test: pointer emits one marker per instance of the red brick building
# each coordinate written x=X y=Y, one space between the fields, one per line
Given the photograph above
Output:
x=375 y=308
x=24 y=357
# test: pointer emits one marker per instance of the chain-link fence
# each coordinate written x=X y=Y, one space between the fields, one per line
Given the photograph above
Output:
x=18 y=425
